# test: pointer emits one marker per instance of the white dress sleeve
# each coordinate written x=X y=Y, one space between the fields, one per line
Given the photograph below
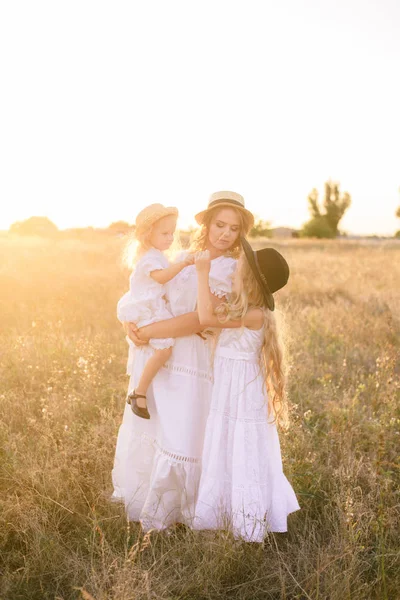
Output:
x=153 y=260
x=221 y=274
x=142 y=289
x=124 y=308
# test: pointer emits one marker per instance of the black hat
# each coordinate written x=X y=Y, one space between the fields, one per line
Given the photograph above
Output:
x=270 y=269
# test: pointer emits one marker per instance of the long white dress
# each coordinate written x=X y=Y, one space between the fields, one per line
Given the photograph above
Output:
x=242 y=487
x=158 y=461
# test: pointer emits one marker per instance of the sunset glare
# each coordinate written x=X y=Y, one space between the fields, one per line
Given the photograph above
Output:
x=107 y=107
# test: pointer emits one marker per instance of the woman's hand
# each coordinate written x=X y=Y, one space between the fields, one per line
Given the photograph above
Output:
x=132 y=331
x=203 y=261
x=189 y=260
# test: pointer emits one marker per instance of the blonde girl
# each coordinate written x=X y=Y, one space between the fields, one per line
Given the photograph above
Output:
x=145 y=302
x=242 y=485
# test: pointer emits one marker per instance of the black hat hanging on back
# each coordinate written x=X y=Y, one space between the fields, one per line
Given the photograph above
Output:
x=270 y=269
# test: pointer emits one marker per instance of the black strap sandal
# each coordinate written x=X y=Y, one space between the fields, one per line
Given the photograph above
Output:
x=139 y=411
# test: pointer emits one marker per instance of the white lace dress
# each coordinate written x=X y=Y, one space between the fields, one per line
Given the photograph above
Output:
x=145 y=302
x=157 y=461
x=242 y=485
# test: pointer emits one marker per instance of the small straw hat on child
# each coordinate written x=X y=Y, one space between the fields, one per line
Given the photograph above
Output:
x=230 y=199
x=151 y=214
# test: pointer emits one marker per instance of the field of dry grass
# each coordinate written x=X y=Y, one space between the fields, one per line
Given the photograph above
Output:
x=62 y=359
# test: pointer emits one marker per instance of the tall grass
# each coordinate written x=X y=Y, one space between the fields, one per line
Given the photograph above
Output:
x=62 y=359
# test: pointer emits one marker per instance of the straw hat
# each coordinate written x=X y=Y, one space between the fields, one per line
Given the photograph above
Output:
x=149 y=215
x=231 y=199
x=270 y=269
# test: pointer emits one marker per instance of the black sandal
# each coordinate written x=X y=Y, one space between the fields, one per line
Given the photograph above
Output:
x=139 y=411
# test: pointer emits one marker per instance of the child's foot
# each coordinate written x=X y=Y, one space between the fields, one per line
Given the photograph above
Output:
x=139 y=411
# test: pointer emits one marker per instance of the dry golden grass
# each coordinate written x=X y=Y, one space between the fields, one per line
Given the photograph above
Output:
x=62 y=359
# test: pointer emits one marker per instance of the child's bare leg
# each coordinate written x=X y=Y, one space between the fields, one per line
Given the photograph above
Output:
x=150 y=370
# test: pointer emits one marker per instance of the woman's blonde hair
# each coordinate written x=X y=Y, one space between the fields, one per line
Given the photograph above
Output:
x=200 y=238
x=272 y=363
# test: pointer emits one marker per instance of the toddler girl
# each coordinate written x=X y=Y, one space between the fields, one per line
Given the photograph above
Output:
x=145 y=302
x=242 y=485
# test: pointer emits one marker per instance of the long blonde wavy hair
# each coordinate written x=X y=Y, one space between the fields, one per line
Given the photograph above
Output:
x=200 y=238
x=272 y=362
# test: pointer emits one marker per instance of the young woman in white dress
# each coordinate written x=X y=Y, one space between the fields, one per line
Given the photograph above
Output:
x=243 y=487
x=158 y=461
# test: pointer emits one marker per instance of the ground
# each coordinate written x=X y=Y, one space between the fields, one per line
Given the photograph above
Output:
x=62 y=360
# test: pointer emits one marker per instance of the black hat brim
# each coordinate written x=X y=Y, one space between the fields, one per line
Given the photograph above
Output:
x=252 y=260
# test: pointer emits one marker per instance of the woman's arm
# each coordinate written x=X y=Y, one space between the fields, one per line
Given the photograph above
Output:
x=187 y=324
x=205 y=306
x=253 y=319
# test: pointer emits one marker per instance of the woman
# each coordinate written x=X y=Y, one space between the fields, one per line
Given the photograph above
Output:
x=157 y=462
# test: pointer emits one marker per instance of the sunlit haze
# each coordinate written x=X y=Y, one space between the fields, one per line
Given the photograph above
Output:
x=109 y=106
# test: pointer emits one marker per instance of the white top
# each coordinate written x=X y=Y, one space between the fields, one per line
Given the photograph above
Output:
x=145 y=301
x=241 y=344
x=182 y=289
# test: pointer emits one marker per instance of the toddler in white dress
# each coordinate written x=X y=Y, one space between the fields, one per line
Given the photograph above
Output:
x=242 y=486
x=145 y=302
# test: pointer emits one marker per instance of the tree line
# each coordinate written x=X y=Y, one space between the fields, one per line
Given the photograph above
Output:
x=325 y=217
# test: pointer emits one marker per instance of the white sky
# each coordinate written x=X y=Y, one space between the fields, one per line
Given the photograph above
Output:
x=107 y=106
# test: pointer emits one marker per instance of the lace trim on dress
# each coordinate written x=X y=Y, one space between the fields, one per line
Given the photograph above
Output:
x=175 y=457
x=161 y=343
x=217 y=291
x=188 y=371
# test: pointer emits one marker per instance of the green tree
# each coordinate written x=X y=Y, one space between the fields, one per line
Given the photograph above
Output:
x=397 y=234
x=317 y=227
x=261 y=228
x=35 y=226
x=325 y=219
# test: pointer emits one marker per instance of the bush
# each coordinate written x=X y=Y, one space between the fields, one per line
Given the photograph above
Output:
x=120 y=227
x=261 y=229
x=35 y=226
x=318 y=227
